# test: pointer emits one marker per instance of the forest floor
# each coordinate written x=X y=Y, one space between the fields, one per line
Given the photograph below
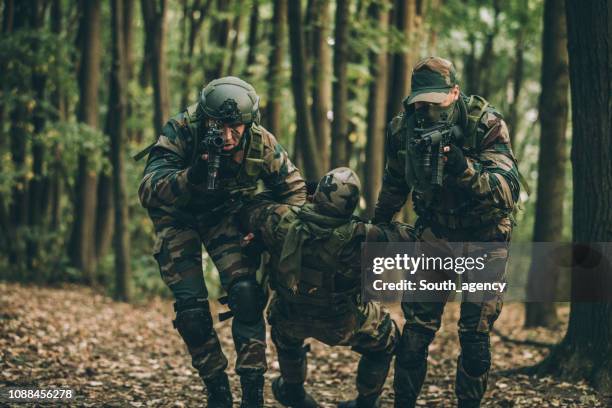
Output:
x=118 y=354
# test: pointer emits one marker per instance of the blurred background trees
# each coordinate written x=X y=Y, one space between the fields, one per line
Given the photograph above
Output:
x=330 y=74
x=85 y=84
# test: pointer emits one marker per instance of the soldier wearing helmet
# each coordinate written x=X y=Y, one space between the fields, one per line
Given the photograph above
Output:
x=204 y=166
x=315 y=254
x=474 y=202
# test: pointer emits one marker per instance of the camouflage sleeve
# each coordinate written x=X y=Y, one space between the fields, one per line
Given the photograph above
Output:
x=365 y=232
x=261 y=217
x=394 y=190
x=493 y=174
x=281 y=178
x=165 y=174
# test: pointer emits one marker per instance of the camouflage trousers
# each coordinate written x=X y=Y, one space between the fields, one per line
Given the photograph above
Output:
x=368 y=329
x=178 y=251
x=476 y=320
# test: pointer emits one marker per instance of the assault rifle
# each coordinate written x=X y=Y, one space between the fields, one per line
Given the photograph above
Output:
x=212 y=144
x=430 y=143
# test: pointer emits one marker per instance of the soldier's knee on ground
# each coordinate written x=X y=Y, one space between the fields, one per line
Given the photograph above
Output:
x=475 y=353
x=246 y=300
x=413 y=347
x=193 y=321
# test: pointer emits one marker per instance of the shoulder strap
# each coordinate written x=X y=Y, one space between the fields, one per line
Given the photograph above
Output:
x=254 y=156
x=191 y=117
x=476 y=108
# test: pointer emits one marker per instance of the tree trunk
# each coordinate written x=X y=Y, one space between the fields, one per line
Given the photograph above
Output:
x=586 y=351
x=551 y=159
x=236 y=25
x=322 y=69
x=399 y=86
x=340 y=86
x=513 y=118
x=377 y=102
x=275 y=68
x=117 y=130
x=219 y=31
x=485 y=83
x=196 y=17
x=154 y=16
x=82 y=240
x=253 y=39
x=305 y=130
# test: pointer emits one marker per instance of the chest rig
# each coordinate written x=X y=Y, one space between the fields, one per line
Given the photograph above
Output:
x=237 y=181
x=449 y=206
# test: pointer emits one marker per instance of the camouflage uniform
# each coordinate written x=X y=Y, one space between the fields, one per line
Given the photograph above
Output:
x=475 y=204
x=186 y=215
x=315 y=259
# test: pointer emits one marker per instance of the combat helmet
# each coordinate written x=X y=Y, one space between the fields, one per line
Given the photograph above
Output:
x=229 y=100
x=337 y=193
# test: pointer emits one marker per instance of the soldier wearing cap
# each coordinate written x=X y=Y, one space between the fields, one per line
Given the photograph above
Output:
x=474 y=202
x=193 y=197
x=315 y=271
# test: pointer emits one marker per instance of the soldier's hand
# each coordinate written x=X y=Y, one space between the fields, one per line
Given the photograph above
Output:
x=246 y=240
x=199 y=170
x=455 y=160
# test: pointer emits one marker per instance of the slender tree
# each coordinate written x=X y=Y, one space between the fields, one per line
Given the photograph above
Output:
x=219 y=34
x=305 y=129
x=554 y=107
x=195 y=15
x=118 y=136
x=340 y=86
x=402 y=61
x=236 y=26
x=586 y=350
x=322 y=69
x=154 y=17
x=376 y=112
x=275 y=68
x=39 y=181
x=518 y=69
x=253 y=38
x=82 y=239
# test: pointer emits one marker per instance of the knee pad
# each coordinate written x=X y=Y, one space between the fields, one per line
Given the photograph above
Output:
x=475 y=354
x=246 y=300
x=413 y=347
x=193 y=322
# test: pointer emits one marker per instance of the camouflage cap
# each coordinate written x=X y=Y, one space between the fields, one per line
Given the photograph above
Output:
x=337 y=193
x=432 y=80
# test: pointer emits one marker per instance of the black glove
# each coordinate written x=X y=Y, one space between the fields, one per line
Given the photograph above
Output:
x=455 y=160
x=198 y=172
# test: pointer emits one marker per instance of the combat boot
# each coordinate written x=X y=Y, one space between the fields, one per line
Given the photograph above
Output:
x=371 y=401
x=292 y=395
x=252 y=390
x=219 y=392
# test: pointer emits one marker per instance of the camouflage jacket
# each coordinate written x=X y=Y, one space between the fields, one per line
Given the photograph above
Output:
x=486 y=191
x=270 y=223
x=165 y=188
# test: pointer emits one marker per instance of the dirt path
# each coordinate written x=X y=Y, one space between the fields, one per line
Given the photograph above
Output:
x=115 y=354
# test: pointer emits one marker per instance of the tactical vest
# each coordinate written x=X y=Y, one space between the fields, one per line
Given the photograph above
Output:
x=323 y=280
x=427 y=200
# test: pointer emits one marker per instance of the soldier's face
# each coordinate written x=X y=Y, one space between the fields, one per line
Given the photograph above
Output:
x=232 y=134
